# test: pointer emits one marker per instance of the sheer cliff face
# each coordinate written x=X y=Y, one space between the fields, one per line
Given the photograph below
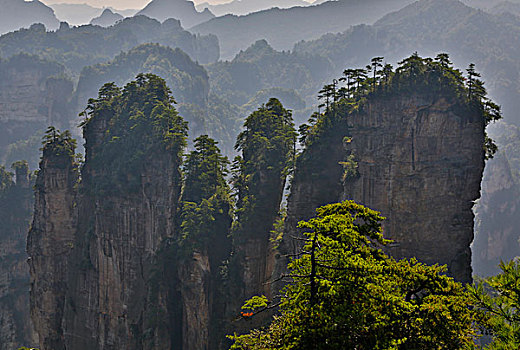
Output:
x=16 y=205
x=416 y=158
x=31 y=97
x=497 y=218
x=119 y=231
x=49 y=244
x=98 y=280
x=420 y=162
x=117 y=239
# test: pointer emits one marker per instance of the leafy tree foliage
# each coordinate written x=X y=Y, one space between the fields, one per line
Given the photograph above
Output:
x=498 y=299
x=59 y=146
x=345 y=293
x=206 y=199
x=6 y=179
x=205 y=170
x=140 y=121
x=268 y=147
x=414 y=73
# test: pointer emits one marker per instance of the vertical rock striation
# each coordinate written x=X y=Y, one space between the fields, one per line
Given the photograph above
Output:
x=94 y=253
x=411 y=148
x=16 y=202
x=51 y=241
x=32 y=96
x=497 y=220
x=420 y=162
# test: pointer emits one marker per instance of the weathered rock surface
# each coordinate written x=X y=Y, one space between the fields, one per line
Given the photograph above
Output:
x=118 y=236
x=32 y=97
x=420 y=163
x=15 y=212
x=196 y=304
x=497 y=218
x=49 y=244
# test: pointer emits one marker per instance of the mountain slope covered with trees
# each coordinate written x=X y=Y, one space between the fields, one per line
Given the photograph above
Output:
x=236 y=33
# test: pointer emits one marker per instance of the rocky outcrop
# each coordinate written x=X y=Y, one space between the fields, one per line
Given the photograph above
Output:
x=98 y=280
x=16 y=204
x=50 y=243
x=417 y=158
x=32 y=97
x=420 y=162
x=118 y=237
x=141 y=272
x=497 y=219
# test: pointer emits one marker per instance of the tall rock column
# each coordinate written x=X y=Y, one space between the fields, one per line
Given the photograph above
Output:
x=267 y=146
x=16 y=202
x=420 y=162
x=412 y=145
x=51 y=238
x=118 y=296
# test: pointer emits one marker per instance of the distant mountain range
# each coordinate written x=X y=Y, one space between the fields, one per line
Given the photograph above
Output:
x=183 y=10
x=282 y=28
x=106 y=19
x=244 y=7
x=16 y=14
x=430 y=27
x=506 y=7
x=77 y=47
x=79 y=14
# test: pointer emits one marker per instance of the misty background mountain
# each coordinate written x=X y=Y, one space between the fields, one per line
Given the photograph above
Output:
x=17 y=14
x=244 y=7
x=79 y=14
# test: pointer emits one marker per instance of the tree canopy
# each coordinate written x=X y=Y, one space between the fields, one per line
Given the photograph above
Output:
x=345 y=293
x=268 y=147
x=140 y=119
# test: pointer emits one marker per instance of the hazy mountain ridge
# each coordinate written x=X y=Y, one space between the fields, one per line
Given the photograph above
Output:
x=244 y=7
x=86 y=45
x=282 y=28
x=18 y=14
x=261 y=70
x=106 y=19
x=80 y=14
x=182 y=10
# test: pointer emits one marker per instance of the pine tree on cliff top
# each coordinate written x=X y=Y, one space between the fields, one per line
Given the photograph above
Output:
x=267 y=145
x=205 y=215
x=414 y=74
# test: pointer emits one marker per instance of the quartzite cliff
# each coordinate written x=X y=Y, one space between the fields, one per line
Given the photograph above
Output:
x=412 y=148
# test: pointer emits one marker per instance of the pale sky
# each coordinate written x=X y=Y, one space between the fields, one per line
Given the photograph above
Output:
x=122 y=4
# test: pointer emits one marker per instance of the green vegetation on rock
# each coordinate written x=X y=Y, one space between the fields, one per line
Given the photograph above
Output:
x=345 y=293
x=138 y=121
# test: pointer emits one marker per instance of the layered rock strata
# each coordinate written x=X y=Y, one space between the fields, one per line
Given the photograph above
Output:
x=32 y=96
